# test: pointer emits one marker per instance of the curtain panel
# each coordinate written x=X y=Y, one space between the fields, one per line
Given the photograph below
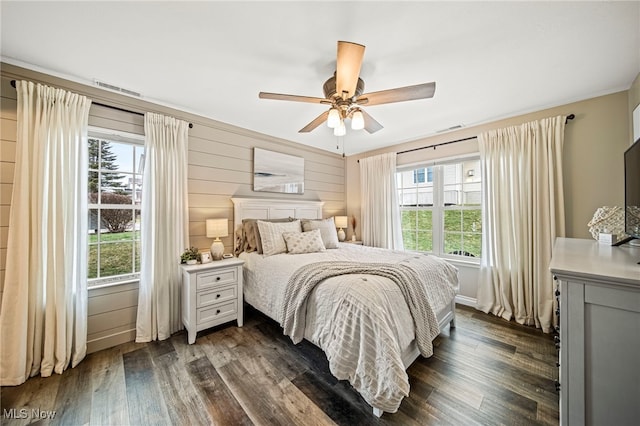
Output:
x=523 y=213
x=43 y=321
x=164 y=226
x=381 y=222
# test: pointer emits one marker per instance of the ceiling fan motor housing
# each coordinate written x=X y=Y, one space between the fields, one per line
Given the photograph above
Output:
x=329 y=88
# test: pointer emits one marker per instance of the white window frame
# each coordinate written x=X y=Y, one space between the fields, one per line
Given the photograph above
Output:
x=118 y=137
x=438 y=208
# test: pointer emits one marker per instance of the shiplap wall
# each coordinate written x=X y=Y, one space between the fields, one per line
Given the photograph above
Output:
x=220 y=166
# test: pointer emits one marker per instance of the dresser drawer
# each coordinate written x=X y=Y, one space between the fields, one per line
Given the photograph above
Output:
x=218 y=311
x=216 y=278
x=217 y=295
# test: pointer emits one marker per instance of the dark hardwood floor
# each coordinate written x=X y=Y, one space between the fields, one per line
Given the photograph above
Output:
x=486 y=371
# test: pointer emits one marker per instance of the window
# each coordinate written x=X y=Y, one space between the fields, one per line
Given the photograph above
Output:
x=114 y=196
x=419 y=175
x=440 y=207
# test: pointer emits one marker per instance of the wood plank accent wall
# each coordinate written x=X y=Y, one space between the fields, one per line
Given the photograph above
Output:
x=220 y=166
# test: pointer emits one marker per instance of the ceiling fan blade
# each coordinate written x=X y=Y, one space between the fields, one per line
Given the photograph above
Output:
x=295 y=98
x=401 y=94
x=315 y=123
x=370 y=124
x=348 y=66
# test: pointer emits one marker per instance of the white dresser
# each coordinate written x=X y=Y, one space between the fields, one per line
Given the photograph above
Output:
x=211 y=295
x=599 y=295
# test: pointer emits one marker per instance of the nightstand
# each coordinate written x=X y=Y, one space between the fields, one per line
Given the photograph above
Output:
x=211 y=295
x=359 y=243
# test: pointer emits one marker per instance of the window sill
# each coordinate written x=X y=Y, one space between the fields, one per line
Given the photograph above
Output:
x=463 y=262
x=113 y=284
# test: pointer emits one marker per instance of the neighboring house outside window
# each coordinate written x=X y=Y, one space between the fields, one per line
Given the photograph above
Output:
x=114 y=194
x=440 y=207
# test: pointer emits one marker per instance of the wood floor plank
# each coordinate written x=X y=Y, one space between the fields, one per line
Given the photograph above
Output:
x=180 y=396
x=37 y=393
x=109 y=394
x=222 y=406
x=267 y=397
x=146 y=406
x=73 y=400
x=486 y=371
x=325 y=396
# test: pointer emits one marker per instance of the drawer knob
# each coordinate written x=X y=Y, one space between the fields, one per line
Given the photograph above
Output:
x=217 y=296
x=217 y=311
x=217 y=278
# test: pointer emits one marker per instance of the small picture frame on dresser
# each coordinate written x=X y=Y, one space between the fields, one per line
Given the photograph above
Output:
x=205 y=257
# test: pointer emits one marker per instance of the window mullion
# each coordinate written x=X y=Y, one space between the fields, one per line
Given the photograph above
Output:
x=438 y=207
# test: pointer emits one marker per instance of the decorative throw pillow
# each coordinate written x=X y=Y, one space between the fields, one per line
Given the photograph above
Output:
x=251 y=234
x=304 y=242
x=327 y=229
x=271 y=235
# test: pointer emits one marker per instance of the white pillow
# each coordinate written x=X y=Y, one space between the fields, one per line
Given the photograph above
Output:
x=304 y=242
x=271 y=235
x=327 y=229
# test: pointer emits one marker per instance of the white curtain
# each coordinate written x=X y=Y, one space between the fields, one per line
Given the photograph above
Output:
x=43 y=321
x=381 y=223
x=164 y=226
x=523 y=213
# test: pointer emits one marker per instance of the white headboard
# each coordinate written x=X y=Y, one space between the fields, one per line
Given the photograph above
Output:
x=270 y=208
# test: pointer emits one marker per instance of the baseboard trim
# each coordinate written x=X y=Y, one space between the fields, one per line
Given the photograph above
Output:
x=111 y=341
x=466 y=300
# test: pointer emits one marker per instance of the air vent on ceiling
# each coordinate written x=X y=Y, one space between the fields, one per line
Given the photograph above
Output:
x=117 y=89
x=448 y=129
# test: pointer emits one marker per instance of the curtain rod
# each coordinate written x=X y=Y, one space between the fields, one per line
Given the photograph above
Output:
x=13 y=84
x=569 y=117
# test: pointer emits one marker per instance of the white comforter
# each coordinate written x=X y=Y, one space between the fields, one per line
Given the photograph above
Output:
x=371 y=367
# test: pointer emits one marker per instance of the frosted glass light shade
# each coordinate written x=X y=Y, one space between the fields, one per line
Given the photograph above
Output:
x=341 y=130
x=357 y=120
x=333 y=120
x=217 y=228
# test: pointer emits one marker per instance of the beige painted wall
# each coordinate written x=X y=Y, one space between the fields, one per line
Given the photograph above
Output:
x=220 y=166
x=593 y=156
x=634 y=101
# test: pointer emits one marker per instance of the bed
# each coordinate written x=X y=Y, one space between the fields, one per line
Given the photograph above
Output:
x=349 y=300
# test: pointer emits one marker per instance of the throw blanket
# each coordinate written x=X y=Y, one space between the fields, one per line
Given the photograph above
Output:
x=362 y=347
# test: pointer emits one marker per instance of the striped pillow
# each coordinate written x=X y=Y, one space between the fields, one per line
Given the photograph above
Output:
x=271 y=235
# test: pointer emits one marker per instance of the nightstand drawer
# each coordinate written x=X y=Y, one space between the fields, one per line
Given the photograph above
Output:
x=216 y=296
x=214 y=312
x=217 y=277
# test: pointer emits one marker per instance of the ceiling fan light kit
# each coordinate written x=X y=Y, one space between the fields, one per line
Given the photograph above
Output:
x=357 y=120
x=344 y=93
x=333 y=120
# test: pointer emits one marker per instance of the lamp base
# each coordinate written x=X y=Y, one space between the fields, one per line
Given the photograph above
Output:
x=217 y=249
x=341 y=235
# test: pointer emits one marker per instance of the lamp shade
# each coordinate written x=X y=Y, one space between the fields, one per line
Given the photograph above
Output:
x=333 y=120
x=357 y=120
x=340 y=130
x=217 y=228
x=341 y=221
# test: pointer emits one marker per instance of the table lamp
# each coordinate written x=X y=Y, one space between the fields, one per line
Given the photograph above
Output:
x=217 y=228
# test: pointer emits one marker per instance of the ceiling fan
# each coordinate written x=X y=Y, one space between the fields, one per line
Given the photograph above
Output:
x=343 y=92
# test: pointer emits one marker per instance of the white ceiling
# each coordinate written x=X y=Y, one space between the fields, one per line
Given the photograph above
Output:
x=489 y=60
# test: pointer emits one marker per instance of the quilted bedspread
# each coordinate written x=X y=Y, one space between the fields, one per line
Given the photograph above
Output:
x=359 y=307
